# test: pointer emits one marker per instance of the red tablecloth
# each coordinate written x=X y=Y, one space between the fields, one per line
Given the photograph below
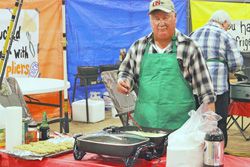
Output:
x=239 y=108
x=93 y=160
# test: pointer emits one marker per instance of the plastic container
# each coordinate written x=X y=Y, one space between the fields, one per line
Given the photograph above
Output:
x=2 y=136
x=96 y=110
x=2 y=127
x=31 y=134
x=13 y=126
x=107 y=101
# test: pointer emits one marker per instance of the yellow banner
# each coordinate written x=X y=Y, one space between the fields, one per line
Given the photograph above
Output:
x=202 y=10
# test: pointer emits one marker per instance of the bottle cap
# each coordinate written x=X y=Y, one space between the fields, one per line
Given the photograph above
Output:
x=32 y=124
x=214 y=135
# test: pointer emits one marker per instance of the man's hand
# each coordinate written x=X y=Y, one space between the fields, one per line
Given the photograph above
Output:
x=211 y=107
x=123 y=86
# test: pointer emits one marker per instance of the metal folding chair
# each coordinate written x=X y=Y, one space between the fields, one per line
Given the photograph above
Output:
x=236 y=117
x=124 y=104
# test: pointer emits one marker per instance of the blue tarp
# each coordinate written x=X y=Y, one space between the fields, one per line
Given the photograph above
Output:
x=97 y=30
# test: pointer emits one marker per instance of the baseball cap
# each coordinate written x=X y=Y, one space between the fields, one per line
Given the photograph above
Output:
x=163 y=5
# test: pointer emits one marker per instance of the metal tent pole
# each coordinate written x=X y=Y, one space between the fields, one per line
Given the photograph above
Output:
x=66 y=113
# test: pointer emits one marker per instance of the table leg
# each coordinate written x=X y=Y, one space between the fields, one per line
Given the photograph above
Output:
x=74 y=89
x=61 y=108
x=66 y=116
x=87 y=103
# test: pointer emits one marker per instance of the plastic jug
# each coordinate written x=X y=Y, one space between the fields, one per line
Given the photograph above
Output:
x=2 y=127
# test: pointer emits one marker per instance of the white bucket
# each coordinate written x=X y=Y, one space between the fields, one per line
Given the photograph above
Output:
x=96 y=110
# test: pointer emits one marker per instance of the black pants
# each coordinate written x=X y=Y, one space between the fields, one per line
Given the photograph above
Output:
x=221 y=108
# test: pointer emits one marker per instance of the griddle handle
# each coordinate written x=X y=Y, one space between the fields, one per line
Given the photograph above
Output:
x=111 y=129
x=131 y=160
x=165 y=145
x=77 y=135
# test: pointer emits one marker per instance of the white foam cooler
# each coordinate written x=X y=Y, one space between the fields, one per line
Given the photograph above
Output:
x=96 y=110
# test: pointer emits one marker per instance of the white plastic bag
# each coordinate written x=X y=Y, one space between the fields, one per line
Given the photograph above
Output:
x=186 y=144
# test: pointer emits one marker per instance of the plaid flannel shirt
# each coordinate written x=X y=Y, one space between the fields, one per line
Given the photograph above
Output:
x=216 y=43
x=191 y=62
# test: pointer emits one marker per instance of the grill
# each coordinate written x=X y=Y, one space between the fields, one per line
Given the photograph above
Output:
x=240 y=91
x=121 y=142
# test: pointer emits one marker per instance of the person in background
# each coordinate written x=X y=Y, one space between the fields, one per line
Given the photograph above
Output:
x=167 y=67
x=222 y=56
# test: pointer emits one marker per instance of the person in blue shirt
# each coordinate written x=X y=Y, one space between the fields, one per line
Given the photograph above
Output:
x=222 y=57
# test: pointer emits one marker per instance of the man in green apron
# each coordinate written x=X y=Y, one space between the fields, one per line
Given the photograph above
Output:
x=167 y=67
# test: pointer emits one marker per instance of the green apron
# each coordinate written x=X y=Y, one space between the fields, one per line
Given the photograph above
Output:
x=164 y=97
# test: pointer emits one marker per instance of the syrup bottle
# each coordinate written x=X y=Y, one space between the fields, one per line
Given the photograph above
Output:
x=44 y=128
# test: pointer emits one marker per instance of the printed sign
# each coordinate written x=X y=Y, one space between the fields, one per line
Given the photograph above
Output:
x=240 y=30
x=23 y=57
